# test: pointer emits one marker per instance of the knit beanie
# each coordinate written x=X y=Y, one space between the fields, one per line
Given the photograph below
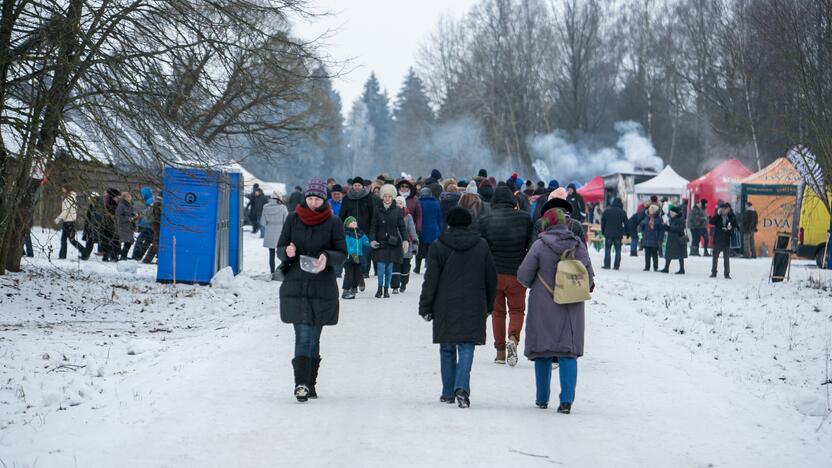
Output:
x=559 y=192
x=387 y=189
x=425 y=192
x=350 y=220
x=482 y=173
x=435 y=174
x=458 y=217
x=315 y=188
x=471 y=188
x=553 y=184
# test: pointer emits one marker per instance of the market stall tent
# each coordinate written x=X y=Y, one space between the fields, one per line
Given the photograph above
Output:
x=715 y=186
x=667 y=183
x=773 y=195
x=593 y=191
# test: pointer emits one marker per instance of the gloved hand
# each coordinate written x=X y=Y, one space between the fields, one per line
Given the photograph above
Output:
x=428 y=317
x=375 y=244
x=592 y=287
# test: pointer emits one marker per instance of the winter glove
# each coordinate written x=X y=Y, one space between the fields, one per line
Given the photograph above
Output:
x=428 y=317
x=592 y=287
x=375 y=244
x=405 y=247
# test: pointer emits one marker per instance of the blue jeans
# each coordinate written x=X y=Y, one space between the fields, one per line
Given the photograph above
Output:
x=568 y=368
x=308 y=340
x=385 y=274
x=456 y=371
x=634 y=245
x=608 y=245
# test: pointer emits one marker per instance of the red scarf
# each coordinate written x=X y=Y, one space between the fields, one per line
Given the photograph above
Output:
x=312 y=217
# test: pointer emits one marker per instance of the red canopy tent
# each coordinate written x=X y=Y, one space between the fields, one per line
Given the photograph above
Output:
x=714 y=186
x=593 y=191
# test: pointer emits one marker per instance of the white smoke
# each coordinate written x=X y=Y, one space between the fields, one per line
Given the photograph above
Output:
x=556 y=157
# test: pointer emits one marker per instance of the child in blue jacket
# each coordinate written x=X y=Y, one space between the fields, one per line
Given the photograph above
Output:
x=356 y=241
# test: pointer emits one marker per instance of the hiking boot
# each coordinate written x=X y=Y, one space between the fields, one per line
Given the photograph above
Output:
x=386 y=293
x=511 y=351
x=565 y=408
x=541 y=405
x=501 y=357
x=345 y=294
x=379 y=293
x=665 y=270
x=447 y=399
x=402 y=289
x=727 y=276
x=680 y=272
x=462 y=399
x=713 y=275
x=361 y=285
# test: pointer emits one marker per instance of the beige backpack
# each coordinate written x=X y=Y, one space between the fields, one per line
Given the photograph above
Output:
x=571 y=280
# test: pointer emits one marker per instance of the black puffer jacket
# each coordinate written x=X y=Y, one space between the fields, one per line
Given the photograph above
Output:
x=359 y=205
x=305 y=297
x=459 y=288
x=722 y=235
x=389 y=231
x=508 y=232
x=614 y=221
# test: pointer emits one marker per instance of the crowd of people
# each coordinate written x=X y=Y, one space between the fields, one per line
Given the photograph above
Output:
x=113 y=224
x=481 y=245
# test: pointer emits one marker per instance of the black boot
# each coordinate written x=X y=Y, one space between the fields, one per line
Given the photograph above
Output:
x=386 y=293
x=379 y=293
x=565 y=408
x=302 y=368
x=313 y=378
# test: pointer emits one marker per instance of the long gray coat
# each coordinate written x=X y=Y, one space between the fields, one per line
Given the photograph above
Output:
x=552 y=329
x=126 y=226
x=273 y=218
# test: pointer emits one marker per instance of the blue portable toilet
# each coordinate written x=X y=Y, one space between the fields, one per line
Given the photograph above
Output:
x=193 y=244
x=235 y=222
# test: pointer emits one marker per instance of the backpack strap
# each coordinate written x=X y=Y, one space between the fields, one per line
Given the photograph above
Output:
x=546 y=285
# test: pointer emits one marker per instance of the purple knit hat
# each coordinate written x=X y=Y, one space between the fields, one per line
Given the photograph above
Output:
x=315 y=188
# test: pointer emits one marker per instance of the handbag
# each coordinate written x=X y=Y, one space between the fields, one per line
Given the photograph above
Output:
x=684 y=240
x=394 y=240
x=280 y=272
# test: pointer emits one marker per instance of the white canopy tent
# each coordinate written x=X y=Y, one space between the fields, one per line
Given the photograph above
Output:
x=667 y=183
x=249 y=180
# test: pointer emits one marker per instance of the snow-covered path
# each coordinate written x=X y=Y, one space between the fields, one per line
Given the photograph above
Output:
x=644 y=398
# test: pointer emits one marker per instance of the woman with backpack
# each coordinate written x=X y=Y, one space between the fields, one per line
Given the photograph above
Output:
x=458 y=295
x=309 y=299
x=554 y=330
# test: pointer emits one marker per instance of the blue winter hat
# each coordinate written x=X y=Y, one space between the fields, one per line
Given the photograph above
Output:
x=520 y=183
x=147 y=195
x=553 y=184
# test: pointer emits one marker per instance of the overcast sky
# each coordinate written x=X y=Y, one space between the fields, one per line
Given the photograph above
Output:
x=380 y=36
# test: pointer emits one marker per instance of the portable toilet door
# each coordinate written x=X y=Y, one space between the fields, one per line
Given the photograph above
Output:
x=221 y=256
x=235 y=222
x=189 y=238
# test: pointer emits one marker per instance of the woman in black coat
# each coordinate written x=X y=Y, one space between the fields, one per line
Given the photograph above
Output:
x=458 y=295
x=387 y=231
x=676 y=248
x=309 y=300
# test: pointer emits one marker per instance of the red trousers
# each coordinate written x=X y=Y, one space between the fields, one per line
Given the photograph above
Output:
x=511 y=291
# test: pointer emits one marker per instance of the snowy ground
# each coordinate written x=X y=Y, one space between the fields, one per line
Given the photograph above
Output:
x=101 y=366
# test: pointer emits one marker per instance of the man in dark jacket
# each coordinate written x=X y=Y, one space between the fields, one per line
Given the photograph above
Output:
x=749 y=227
x=257 y=203
x=359 y=204
x=458 y=294
x=577 y=202
x=614 y=228
x=724 y=224
x=295 y=199
x=508 y=232
x=632 y=226
x=698 y=225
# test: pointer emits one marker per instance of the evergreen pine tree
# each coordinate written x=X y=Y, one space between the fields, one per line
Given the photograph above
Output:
x=413 y=120
x=378 y=113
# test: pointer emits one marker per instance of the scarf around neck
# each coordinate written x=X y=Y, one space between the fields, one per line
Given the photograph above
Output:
x=311 y=217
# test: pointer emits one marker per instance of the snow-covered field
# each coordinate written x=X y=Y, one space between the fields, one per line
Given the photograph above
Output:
x=101 y=367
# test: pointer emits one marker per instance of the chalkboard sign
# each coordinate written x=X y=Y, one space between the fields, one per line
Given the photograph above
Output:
x=782 y=258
